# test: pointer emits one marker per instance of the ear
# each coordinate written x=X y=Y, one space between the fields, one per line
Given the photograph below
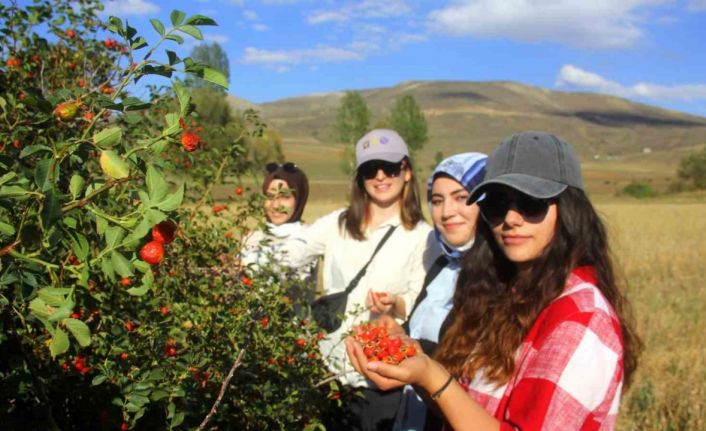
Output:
x=407 y=174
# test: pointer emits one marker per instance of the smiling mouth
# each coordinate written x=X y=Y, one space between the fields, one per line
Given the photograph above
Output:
x=514 y=239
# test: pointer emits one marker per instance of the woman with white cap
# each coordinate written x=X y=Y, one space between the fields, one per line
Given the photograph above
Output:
x=375 y=250
x=540 y=336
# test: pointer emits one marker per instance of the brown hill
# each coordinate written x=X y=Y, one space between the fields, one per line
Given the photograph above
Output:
x=617 y=139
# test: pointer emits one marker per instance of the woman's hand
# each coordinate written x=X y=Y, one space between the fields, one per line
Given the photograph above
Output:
x=390 y=324
x=388 y=376
x=381 y=302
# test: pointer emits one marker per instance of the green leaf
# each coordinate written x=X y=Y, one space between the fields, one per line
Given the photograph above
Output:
x=156 y=185
x=97 y=380
x=173 y=57
x=138 y=291
x=79 y=330
x=7 y=177
x=121 y=265
x=51 y=209
x=113 y=235
x=76 y=185
x=42 y=178
x=176 y=38
x=113 y=165
x=139 y=43
x=214 y=76
x=183 y=96
x=6 y=229
x=200 y=20
x=172 y=121
x=191 y=31
x=79 y=244
x=158 y=26
x=12 y=191
x=53 y=296
x=59 y=343
x=107 y=138
x=177 y=17
x=155 y=216
x=107 y=268
x=39 y=308
x=173 y=200
x=31 y=149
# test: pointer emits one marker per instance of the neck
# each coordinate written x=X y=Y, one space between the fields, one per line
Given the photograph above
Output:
x=378 y=214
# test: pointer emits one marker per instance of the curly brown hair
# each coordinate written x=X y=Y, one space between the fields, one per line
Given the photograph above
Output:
x=494 y=307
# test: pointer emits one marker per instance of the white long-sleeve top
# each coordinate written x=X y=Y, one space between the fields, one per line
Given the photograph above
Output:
x=398 y=268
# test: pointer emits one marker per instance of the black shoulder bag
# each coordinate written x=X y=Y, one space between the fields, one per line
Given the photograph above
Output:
x=328 y=309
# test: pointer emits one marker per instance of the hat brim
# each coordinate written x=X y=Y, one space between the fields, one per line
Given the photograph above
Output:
x=536 y=187
x=387 y=157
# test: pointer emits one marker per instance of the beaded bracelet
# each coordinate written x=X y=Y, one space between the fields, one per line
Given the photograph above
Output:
x=435 y=396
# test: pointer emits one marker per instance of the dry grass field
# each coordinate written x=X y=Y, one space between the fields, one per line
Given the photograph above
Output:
x=660 y=249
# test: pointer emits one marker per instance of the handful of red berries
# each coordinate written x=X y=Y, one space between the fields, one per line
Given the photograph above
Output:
x=378 y=345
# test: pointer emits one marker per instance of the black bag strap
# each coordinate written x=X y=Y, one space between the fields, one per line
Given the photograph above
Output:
x=361 y=273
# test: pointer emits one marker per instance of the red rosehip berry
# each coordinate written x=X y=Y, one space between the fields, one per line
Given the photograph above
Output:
x=123 y=356
x=129 y=326
x=190 y=141
x=264 y=322
x=246 y=281
x=164 y=232
x=219 y=208
x=301 y=342
x=239 y=191
x=125 y=282
x=70 y=33
x=164 y=310
x=152 y=252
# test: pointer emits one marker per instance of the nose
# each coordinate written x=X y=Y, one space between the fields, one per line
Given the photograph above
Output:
x=448 y=210
x=380 y=175
x=513 y=217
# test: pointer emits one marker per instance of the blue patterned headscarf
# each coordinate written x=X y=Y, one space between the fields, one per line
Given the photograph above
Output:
x=466 y=168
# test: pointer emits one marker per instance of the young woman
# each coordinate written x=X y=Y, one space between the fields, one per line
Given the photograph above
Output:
x=448 y=189
x=384 y=195
x=286 y=190
x=541 y=336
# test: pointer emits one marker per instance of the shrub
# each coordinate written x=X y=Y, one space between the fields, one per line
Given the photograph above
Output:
x=692 y=168
x=93 y=335
x=639 y=190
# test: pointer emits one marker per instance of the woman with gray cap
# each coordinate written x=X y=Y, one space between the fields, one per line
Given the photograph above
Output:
x=374 y=250
x=540 y=337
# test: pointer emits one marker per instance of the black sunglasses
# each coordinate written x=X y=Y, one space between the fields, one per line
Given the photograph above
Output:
x=287 y=167
x=496 y=204
x=369 y=170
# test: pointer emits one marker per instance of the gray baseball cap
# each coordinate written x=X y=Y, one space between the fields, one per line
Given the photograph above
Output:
x=535 y=163
x=380 y=144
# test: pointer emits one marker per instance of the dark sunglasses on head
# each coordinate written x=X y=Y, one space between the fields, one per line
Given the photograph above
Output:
x=369 y=170
x=496 y=204
x=287 y=167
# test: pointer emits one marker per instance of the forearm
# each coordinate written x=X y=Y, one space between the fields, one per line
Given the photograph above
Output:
x=459 y=409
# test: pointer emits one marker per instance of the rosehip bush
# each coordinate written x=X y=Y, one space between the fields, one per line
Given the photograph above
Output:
x=121 y=304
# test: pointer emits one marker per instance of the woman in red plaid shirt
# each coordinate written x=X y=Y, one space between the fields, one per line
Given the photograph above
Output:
x=540 y=336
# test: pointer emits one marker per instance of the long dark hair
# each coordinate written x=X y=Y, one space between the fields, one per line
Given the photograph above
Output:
x=494 y=308
x=355 y=217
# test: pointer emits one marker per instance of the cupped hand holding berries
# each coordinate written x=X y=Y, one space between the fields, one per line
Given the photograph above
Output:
x=387 y=376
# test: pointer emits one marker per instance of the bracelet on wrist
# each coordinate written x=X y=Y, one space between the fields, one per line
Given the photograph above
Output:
x=435 y=396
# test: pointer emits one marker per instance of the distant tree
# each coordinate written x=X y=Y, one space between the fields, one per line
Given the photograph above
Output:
x=352 y=118
x=264 y=149
x=215 y=57
x=212 y=106
x=352 y=122
x=408 y=120
x=438 y=158
x=692 y=168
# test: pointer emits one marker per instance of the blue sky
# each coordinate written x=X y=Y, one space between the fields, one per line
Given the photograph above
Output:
x=651 y=51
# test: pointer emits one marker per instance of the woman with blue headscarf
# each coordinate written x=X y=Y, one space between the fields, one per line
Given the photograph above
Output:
x=448 y=189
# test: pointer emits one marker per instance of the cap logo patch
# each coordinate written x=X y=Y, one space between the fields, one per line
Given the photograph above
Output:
x=375 y=141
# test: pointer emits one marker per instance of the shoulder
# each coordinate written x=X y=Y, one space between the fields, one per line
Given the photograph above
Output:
x=582 y=307
x=326 y=221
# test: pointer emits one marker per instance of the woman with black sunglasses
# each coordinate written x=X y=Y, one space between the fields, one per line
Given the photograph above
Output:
x=286 y=190
x=384 y=199
x=541 y=337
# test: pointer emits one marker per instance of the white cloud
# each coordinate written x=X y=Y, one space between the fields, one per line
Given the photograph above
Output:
x=572 y=76
x=129 y=7
x=697 y=5
x=319 y=54
x=580 y=23
x=260 y=27
x=219 y=38
x=361 y=9
x=250 y=15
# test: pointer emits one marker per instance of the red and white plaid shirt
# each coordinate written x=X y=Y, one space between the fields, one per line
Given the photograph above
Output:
x=569 y=368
